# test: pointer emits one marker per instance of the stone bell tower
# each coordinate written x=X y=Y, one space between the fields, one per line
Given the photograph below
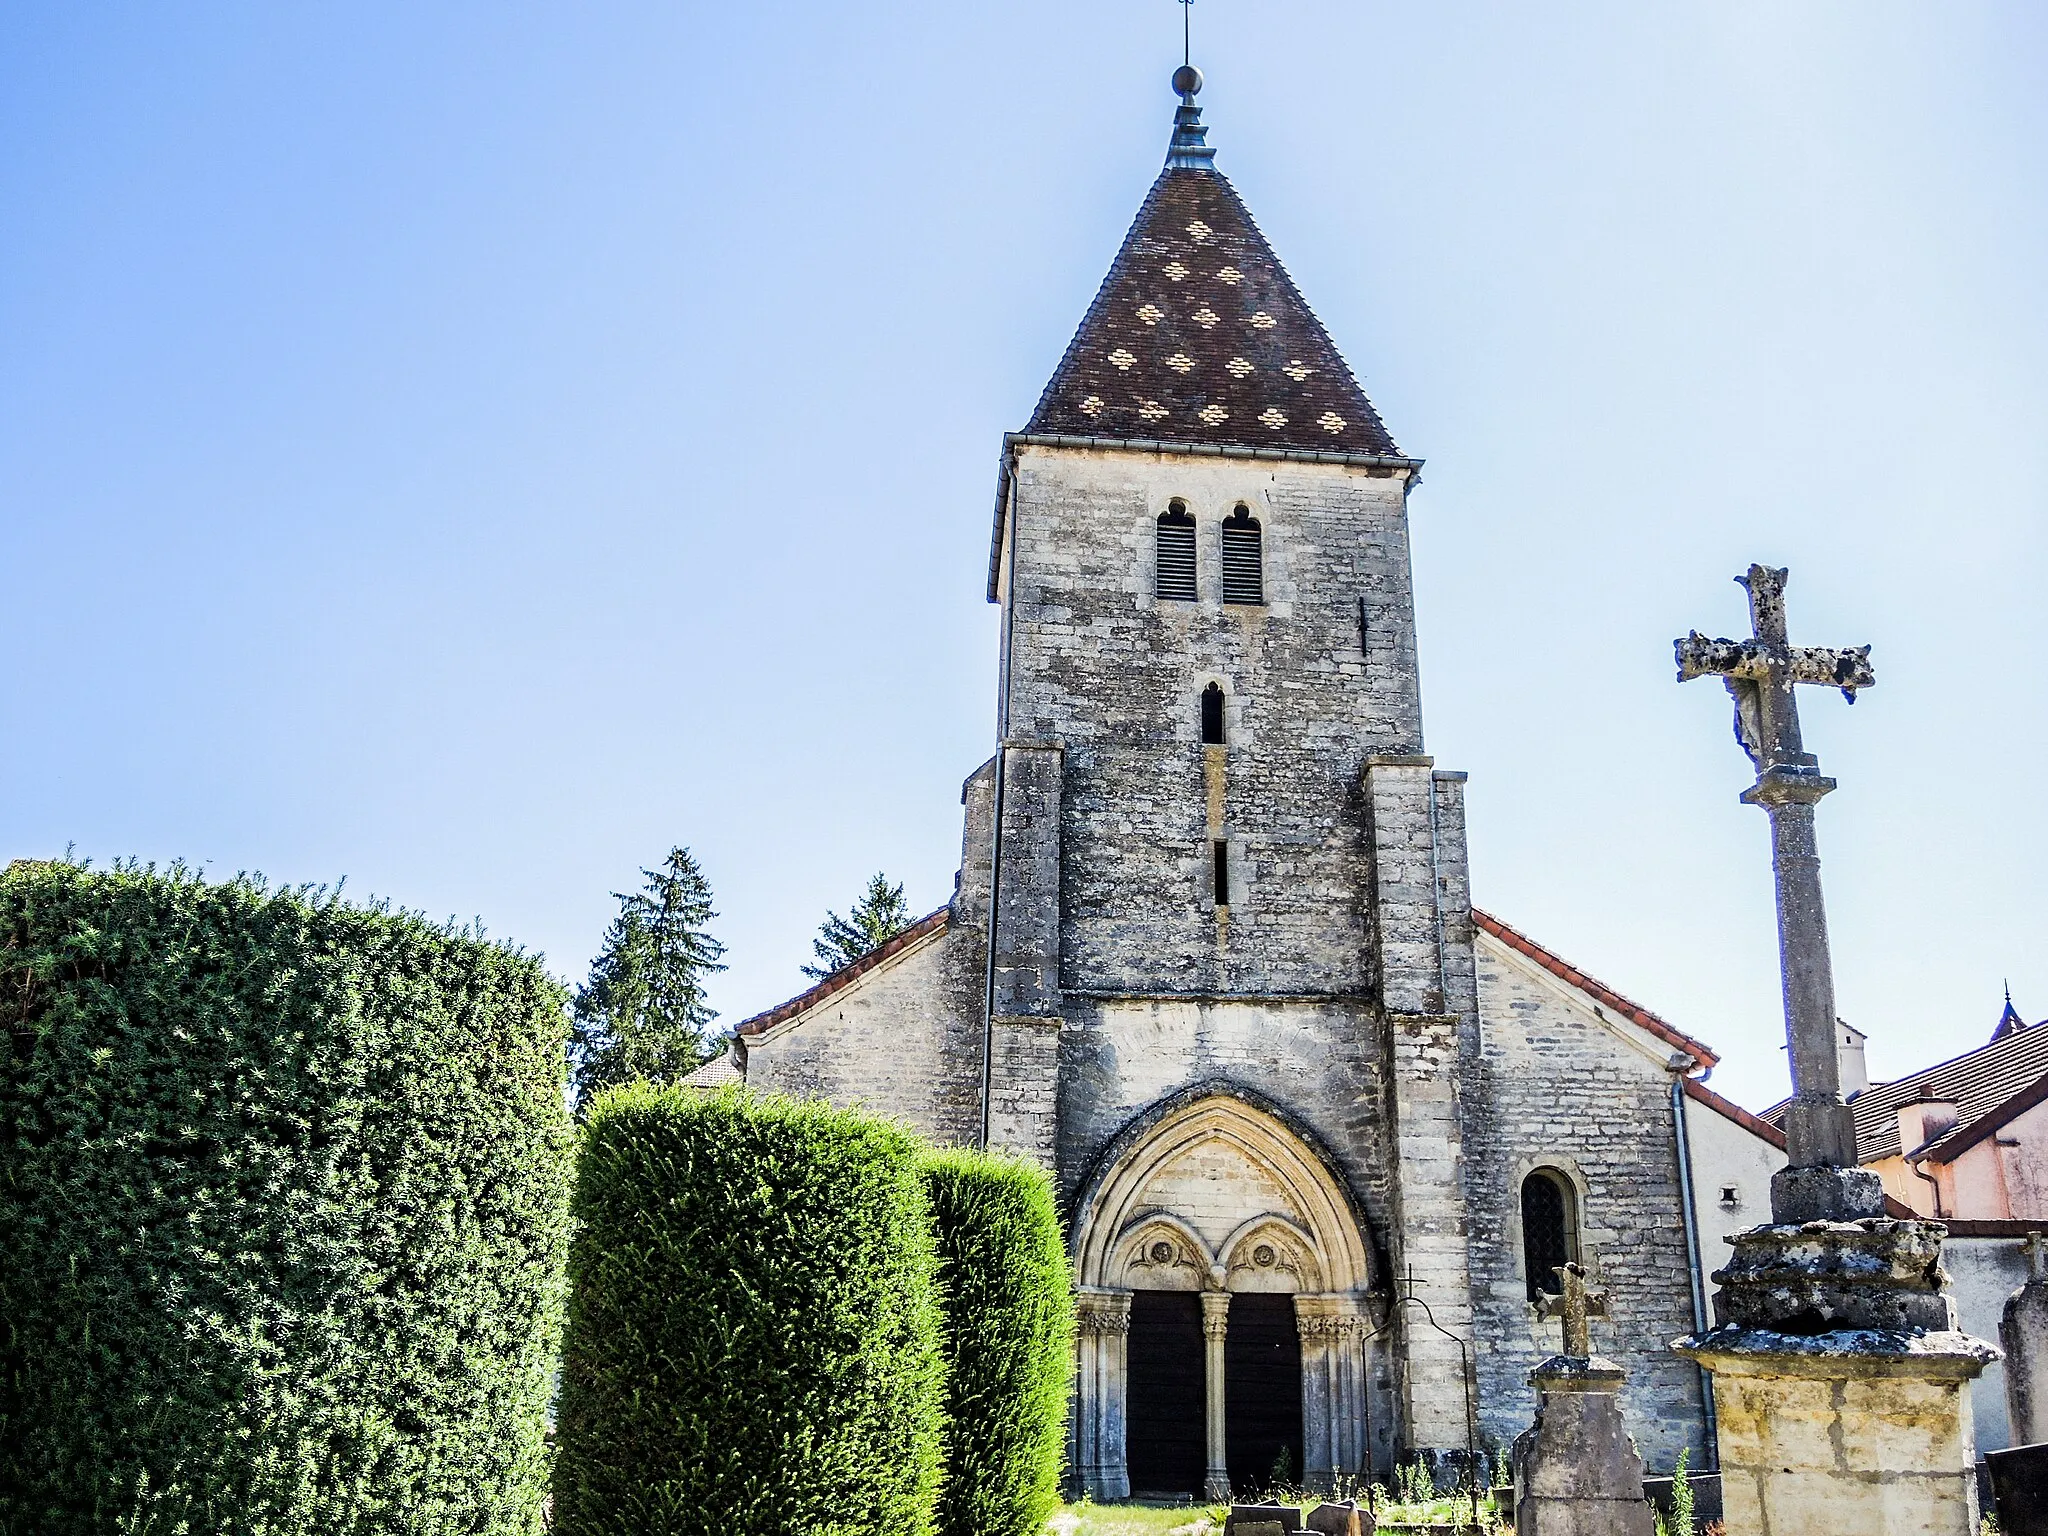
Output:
x=1221 y=855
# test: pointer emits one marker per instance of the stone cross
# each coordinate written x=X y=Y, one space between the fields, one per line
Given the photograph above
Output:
x=1578 y=1306
x=2036 y=1250
x=1762 y=674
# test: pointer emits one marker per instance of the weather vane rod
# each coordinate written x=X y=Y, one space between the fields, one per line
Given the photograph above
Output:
x=1187 y=47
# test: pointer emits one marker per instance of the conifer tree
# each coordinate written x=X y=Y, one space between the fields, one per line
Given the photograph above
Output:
x=876 y=918
x=642 y=1012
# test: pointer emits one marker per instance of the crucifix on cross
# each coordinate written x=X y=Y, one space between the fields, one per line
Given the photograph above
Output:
x=1763 y=674
x=1578 y=1305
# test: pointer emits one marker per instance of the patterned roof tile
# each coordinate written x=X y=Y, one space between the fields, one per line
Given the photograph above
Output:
x=1199 y=335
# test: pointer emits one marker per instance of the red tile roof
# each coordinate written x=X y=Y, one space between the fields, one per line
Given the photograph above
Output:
x=1635 y=1013
x=846 y=975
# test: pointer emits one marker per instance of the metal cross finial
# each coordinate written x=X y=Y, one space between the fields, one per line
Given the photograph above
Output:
x=1578 y=1306
x=1187 y=47
x=1763 y=674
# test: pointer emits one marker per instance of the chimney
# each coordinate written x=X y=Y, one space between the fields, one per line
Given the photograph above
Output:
x=1854 y=1069
x=1921 y=1120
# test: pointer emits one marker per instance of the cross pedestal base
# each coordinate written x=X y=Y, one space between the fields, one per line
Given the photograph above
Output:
x=1841 y=1383
x=1577 y=1472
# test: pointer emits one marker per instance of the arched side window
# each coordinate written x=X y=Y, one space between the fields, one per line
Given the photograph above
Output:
x=1212 y=716
x=1176 y=573
x=1244 y=579
x=1550 y=1229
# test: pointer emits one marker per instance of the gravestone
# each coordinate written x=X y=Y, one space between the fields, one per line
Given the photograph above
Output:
x=1343 y=1518
x=1576 y=1468
x=2023 y=1330
x=1247 y=1520
x=2019 y=1489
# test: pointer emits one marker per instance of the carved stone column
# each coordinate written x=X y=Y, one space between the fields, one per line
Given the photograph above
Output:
x=1101 y=1340
x=1215 y=1325
x=1332 y=1329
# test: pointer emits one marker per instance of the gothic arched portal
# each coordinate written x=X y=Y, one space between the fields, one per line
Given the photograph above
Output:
x=1223 y=1295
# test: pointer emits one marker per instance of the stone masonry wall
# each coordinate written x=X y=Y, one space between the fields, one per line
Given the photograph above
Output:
x=1313 y=683
x=889 y=1042
x=1560 y=1087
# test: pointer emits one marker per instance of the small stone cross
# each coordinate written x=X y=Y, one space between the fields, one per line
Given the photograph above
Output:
x=1578 y=1306
x=2036 y=1250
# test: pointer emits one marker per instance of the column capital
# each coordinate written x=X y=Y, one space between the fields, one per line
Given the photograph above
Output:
x=1101 y=1311
x=1332 y=1314
x=1215 y=1313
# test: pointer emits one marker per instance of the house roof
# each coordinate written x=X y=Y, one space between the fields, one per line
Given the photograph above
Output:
x=1989 y=1086
x=1199 y=336
x=718 y=1072
x=1565 y=971
x=846 y=975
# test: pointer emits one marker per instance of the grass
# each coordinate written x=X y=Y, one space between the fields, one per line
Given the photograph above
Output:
x=1087 y=1519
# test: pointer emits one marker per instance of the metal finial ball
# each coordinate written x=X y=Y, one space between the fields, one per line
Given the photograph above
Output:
x=1187 y=80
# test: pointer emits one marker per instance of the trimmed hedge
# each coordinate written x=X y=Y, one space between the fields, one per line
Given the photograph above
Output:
x=283 y=1209
x=1008 y=1338
x=753 y=1336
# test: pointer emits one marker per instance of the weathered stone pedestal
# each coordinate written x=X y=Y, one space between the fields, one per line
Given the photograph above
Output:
x=1577 y=1472
x=1841 y=1382
x=2023 y=1330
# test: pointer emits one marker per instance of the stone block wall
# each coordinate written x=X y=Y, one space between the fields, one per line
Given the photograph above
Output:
x=890 y=1040
x=1315 y=680
x=1558 y=1085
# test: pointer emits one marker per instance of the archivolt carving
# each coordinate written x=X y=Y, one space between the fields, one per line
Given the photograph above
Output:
x=1245 y=1157
x=1270 y=1253
x=1160 y=1252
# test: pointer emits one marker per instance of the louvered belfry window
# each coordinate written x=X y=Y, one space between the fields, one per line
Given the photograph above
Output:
x=1176 y=578
x=1244 y=579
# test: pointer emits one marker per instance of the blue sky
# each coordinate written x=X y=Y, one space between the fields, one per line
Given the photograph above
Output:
x=467 y=448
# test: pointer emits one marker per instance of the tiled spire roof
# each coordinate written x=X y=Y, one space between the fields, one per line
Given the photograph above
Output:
x=1198 y=335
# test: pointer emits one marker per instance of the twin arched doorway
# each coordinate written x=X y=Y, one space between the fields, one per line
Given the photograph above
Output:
x=1223 y=1293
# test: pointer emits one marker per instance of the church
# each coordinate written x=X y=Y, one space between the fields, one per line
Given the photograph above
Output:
x=1322 y=1130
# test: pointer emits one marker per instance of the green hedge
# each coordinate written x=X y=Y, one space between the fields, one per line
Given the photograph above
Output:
x=283 y=1209
x=753 y=1322
x=1008 y=1338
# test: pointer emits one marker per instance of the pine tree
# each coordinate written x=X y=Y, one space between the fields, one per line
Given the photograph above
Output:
x=876 y=918
x=642 y=1012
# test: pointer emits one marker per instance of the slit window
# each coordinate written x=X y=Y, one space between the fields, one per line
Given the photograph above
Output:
x=1212 y=716
x=1222 y=871
x=1549 y=1230
x=1244 y=579
x=1175 y=577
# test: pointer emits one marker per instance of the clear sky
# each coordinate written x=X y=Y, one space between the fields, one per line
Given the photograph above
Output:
x=467 y=448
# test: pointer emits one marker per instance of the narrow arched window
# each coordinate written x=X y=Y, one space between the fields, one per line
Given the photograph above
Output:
x=1244 y=579
x=1176 y=575
x=1212 y=716
x=1550 y=1229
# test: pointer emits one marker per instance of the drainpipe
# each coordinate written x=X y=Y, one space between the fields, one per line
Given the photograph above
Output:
x=1929 y=1179
x=1692 y=1257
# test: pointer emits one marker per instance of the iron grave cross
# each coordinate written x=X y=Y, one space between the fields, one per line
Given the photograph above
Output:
x=1762 y=673
x=1578 y=1306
